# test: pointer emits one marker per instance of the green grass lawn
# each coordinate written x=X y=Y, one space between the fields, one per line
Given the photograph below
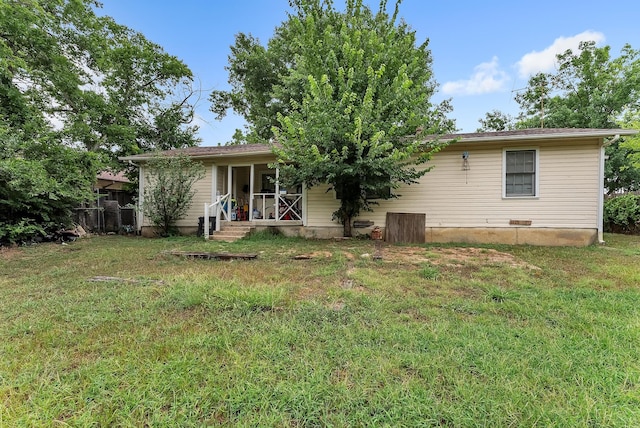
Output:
x=428 y=336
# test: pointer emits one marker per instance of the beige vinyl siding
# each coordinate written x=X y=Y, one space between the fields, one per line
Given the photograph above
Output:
x=452 y=197
x=567 y=196
x=202 y=195
x=221 y=182
x=571 y=184
x=320 y=206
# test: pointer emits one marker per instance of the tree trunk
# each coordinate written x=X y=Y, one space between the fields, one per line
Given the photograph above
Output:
x=346 y=231
x=349 y=205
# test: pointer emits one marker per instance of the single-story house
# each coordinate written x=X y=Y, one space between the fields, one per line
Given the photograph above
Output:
x=113 y=187
x=112 y=208
x=533 y=186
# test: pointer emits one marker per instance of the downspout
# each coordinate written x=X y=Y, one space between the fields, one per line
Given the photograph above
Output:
x=603 y=157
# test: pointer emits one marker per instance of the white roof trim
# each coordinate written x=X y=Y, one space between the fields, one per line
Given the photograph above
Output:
x=560 y=135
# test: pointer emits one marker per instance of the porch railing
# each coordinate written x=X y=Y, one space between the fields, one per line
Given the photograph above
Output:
x=290 y=206
x=284 y=207
x=261 y=204
x=278 y=207
x=220 y=208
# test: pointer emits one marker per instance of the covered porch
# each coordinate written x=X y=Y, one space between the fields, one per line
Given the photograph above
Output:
x=252 y=194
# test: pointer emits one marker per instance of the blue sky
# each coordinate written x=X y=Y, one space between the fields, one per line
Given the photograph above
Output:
x=482 y=51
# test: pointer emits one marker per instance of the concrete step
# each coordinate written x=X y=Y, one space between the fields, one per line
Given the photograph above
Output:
x=220 y=238
x=236 y=228
x=230 y=232
x=224 y=238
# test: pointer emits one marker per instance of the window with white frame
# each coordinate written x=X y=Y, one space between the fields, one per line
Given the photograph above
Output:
x=520 y=173
x=268 y=182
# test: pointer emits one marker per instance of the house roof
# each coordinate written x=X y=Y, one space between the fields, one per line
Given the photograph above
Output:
x=538 y=134
x=208 y=152
x=475 y=137
x=119 y=177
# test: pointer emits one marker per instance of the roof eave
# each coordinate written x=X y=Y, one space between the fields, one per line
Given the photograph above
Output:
x=560 y=135
x=457 y=138
x=143 y=158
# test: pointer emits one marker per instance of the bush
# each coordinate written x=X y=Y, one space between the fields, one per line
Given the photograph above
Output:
x=622 y=214
x=41 y=181
x=169 y=190
x=20 y=231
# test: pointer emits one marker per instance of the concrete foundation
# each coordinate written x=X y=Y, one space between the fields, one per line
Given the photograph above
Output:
x=471 y=235
x=305 y=232
x=514 y=236
x=477 y=235
x=153 y=232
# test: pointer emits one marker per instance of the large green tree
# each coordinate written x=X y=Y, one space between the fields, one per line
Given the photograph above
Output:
x=589 y=89
x=96 y=84
x=254 y=72
x=78 y=90
x=348 y=99
x=631 y=120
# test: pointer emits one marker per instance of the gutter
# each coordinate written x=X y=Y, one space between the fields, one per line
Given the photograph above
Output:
x=202 y=156
x=604 y=133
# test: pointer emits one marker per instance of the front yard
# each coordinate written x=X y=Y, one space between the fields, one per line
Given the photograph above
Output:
x=319 y=333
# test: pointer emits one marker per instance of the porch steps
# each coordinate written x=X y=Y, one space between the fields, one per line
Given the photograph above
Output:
x=231 y=231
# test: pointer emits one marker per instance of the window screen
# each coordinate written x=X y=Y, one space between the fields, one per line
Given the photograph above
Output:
x=520 y=177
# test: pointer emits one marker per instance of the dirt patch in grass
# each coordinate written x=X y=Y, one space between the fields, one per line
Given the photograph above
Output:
x=448 y=257
x=313 y=255
x=452 y=256
x=8 y=253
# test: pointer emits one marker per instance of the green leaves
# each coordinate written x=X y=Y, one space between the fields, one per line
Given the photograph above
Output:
x=622 y=214
x=77 y=90
x=40 y=183
x=590 y=89
x=101 y=83
x=169 y=189
x=365 y=94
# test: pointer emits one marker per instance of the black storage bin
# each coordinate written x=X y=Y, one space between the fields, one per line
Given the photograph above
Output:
x=212 y=225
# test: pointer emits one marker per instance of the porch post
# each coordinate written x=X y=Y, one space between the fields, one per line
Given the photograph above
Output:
x=217 y=212
x=214 y=197
x=276 y=200
x=214 y=182
x=229 y=188
x=251 y=180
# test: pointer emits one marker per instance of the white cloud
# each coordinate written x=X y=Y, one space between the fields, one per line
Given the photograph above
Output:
x=544 y=61
x=487 y=77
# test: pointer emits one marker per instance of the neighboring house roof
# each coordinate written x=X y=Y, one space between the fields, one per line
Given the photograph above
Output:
x=119 y=177
x=476 y=137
